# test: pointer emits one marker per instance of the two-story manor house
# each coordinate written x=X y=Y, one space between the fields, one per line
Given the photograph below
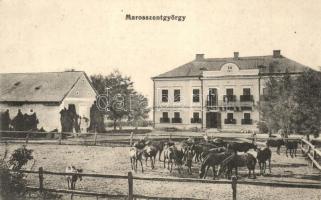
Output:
x=217 y=93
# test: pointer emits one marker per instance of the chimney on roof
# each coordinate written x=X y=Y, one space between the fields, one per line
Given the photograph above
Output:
x=199 y=57
x=236 y=55
x=276 y=53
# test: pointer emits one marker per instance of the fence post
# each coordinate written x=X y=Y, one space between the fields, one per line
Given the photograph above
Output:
x=301 y=143
x=313 y=155
x=60 y=137
x=234 y=183
x=27 y=138
x=130 y=186
x=95 y=140
x=131 y=138
x=40 y=179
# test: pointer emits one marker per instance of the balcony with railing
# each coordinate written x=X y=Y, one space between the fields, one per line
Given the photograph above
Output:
x=211 y=101
x=229 y=121
x=246 y=107
x=246 y=98
x=176 y=120
x=229 y=98
x=247 y=121
x=196 y=120
x=164 y=120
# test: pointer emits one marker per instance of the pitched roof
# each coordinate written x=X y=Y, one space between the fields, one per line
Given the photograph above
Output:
x=270 y=63
x=37 y=87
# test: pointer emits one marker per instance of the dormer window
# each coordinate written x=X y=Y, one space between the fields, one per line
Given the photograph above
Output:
x=17 y=83
x=38 y=87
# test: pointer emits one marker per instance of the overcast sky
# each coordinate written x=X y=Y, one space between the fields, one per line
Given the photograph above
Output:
x=93 y=36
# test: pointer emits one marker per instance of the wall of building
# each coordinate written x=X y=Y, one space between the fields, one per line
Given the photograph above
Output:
x=186 y=107
x=81 y=95
x=237 y=84
x=48 y=115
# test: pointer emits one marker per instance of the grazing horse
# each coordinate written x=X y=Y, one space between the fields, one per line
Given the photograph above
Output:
x=210 y=161
x=72 y=179
x=243 y=160
x=277 y=142
x=213 y=150
x=136 y=155
x=200 y=148
x=291 y=146
x=263 y=156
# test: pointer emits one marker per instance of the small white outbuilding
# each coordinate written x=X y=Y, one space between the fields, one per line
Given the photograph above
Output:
x=47 y=94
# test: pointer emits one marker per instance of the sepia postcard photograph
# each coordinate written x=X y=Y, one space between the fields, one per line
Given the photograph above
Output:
x=160 y=100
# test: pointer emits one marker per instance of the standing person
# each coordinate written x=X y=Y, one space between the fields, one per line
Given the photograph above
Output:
x=18 y=122
x=5 y=120
x=63 y=119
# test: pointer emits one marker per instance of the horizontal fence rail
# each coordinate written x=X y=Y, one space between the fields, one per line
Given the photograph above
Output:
x=131 y=179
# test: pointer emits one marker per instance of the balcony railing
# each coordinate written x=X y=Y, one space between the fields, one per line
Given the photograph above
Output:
x=164 y=120
x=229 y=98
x=246 y=121
x=246 y=107
x=176 y=120
x=246 y=98
x=229 y=121
x=211 y=103
x=196 y=120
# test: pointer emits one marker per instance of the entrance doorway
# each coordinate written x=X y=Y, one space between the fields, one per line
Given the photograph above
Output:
x=213 y=120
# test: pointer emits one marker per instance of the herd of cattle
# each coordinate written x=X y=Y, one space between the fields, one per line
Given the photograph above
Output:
x=209 y=153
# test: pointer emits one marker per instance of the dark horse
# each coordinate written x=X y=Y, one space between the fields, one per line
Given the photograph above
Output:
x=243 y=160
x=211 y=160
x=198 y=149
x=241 y=146
x=277 y=142
x=291 y=146
x=150 y=151
x=159 y=145
x=263 y=156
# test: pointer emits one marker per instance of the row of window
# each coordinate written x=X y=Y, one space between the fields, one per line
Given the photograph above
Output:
x=196 y=118
x=177 y=118
x=246 y=119
x=212 y=93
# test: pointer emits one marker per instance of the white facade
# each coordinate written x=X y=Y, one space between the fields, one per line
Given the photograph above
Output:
x=229 y=77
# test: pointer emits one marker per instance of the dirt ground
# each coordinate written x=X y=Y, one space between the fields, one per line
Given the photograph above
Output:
x=115 y=160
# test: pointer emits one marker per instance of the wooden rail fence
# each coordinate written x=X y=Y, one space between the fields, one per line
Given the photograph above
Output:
x=313 y=154
x=42 y=189
x=89 y=139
